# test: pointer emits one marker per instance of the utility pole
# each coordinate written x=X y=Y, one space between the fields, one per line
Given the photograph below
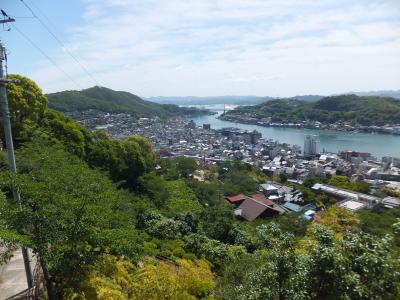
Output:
x=10 y=146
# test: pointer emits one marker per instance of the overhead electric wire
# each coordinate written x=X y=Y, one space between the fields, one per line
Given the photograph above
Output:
x=57 y=39
x=17 y=17
x=45 y=55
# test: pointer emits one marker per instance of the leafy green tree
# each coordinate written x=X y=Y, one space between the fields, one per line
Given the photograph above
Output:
x=239 y=177
x=309 y=182
x=339 y=219
x=345 y=183
x=156 y=187
x=182 y=199
x=188 y=222
x=185 y=166
x=283 y=177
x=27 y=107
x=358 y=266
x=208 y=193
x=74 y=137
x=217 y=222
x=125 y=160
x=379 y=221
x=120 y=279
x=214 y=251
x=391 y=192
x=69 y=214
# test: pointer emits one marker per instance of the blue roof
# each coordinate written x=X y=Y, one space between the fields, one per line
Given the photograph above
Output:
x=292 y=206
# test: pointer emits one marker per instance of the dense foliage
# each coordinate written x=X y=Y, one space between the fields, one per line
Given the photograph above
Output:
x=120 y=280
x=27 y=106
x=71 y=212
x=354 y=267
x=351 y=109
x=107 y=100
x=344 y=182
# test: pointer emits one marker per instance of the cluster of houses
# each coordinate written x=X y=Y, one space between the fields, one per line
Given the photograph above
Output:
x=275 y=199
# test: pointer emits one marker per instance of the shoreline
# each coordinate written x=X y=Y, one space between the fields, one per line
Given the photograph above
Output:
x=373 y=129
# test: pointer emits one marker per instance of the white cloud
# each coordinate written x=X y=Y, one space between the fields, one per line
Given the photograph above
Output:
x=213 y=47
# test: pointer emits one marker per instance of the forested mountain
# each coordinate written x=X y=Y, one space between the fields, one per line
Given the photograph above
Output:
x=108 y=100
x=366 y=110
x=192 y=100
x=105 y=223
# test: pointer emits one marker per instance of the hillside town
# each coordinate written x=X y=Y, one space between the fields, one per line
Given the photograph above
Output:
x=176 y=137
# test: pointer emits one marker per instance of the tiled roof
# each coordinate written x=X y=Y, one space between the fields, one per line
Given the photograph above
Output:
x=251 y=209
x=260 y=197
x=236 y=198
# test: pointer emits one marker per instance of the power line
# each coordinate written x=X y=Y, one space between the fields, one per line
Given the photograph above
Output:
x=45 y=16
x=57 y=39
x=17 y=17
x=45 y=55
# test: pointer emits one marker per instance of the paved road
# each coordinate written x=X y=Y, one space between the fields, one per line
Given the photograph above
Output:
x=12 y=276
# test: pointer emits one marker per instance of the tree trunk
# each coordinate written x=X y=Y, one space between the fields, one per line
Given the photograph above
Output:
x=49 y=284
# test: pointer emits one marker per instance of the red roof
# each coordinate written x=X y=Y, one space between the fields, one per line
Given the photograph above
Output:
x=261 y=198
x=236 y=198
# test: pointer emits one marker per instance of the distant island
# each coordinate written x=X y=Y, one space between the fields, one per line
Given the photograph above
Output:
x=107 y=100
x=250 y=100
x=344 y=112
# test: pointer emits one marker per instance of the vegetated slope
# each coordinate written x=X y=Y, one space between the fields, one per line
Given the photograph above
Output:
x=351 y=109
x=193 y=100
x=108 y=100
x=164 y=229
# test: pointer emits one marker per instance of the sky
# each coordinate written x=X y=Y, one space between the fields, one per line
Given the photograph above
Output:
x=208 y=47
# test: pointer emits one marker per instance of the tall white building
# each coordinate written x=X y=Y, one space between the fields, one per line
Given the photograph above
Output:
x=310 y=145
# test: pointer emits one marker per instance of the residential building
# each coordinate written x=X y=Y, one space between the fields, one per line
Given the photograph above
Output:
x=310 y=145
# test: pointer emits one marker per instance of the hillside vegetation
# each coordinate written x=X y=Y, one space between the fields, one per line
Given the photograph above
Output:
x=108 y=100
x=105 y=223
x=352 y=109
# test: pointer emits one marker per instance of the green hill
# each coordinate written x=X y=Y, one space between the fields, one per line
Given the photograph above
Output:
x=352 y=109
x=108 y=100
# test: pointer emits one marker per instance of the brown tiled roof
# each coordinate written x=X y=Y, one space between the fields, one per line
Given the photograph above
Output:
x=236 y=198
x=261 y=198
x=252 y=208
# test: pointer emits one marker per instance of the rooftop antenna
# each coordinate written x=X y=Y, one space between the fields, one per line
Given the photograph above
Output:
x=9 y=139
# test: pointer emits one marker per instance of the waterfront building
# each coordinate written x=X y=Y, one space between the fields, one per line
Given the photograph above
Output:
x=310 y=145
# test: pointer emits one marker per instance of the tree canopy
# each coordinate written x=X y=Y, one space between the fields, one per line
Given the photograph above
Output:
x=70 y=211
x=27 y=106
